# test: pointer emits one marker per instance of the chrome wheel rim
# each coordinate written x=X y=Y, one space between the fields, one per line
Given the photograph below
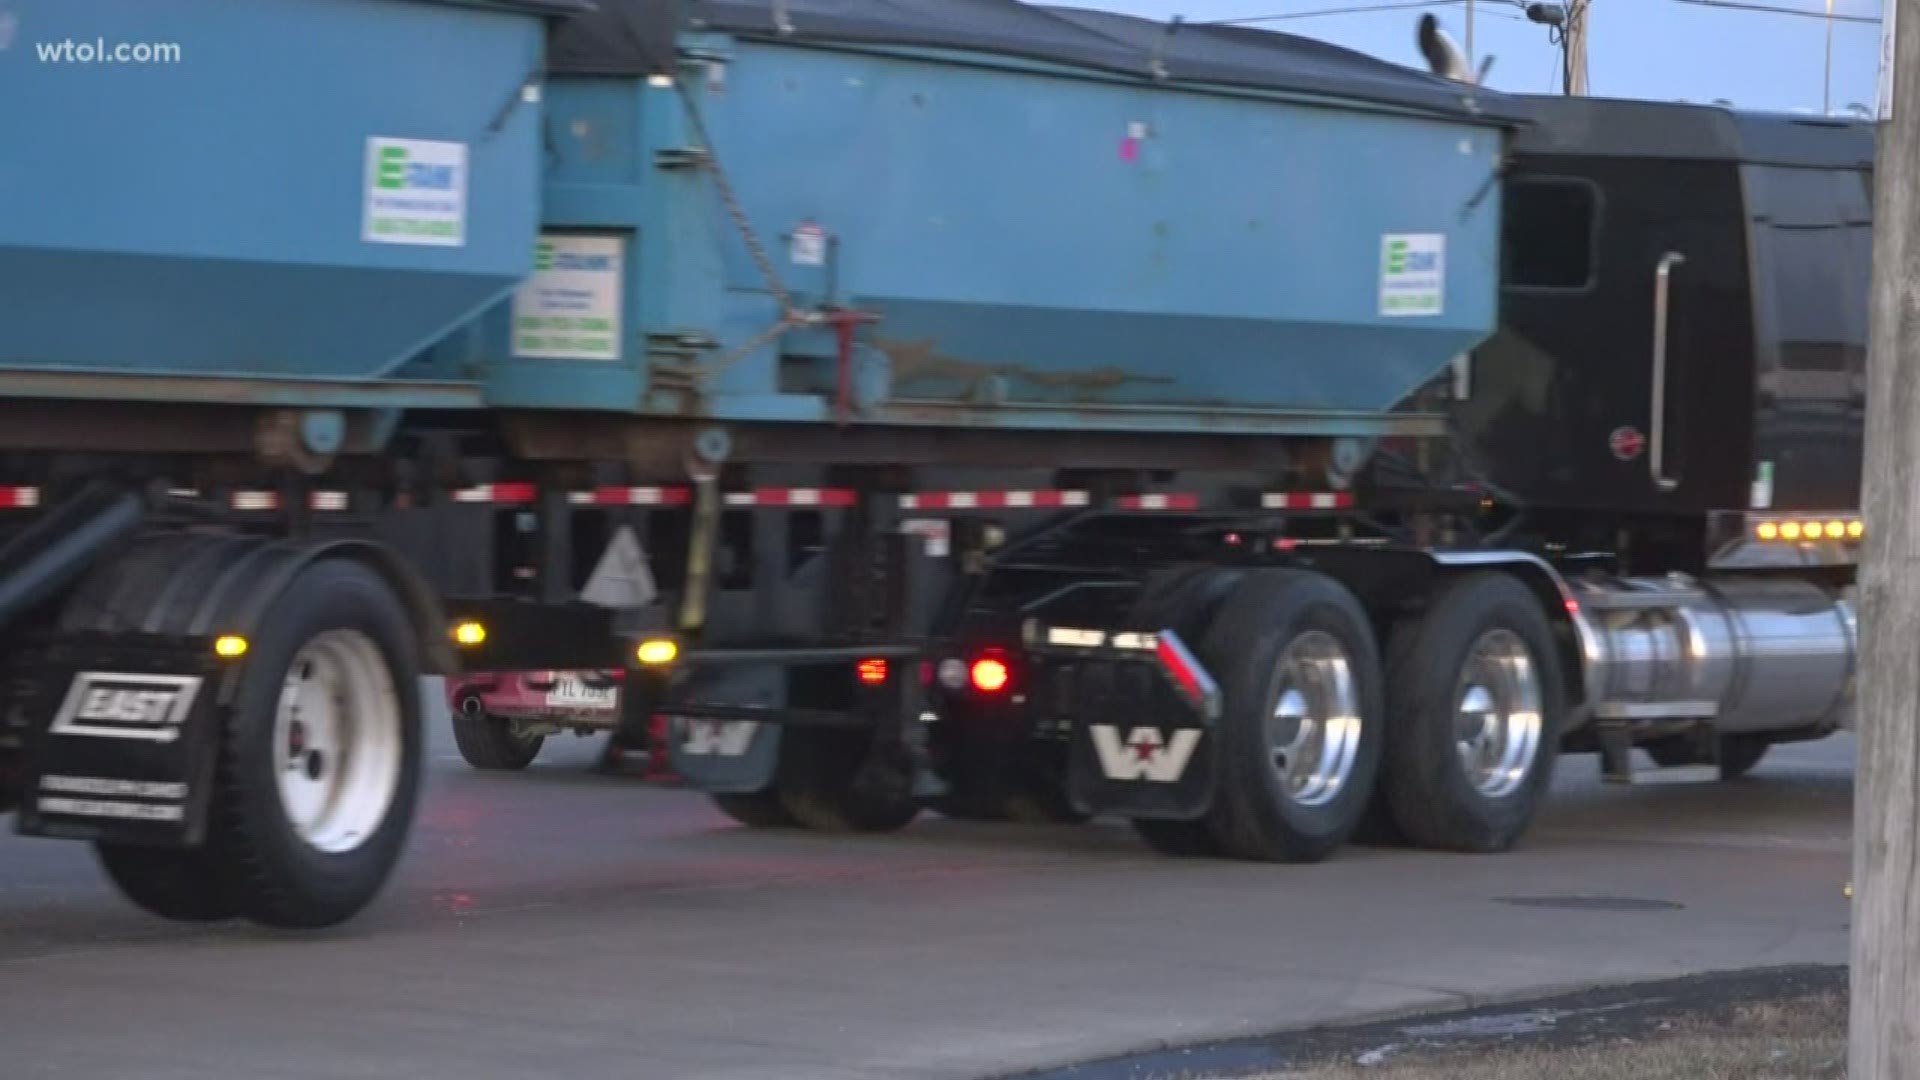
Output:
x=337 y=741
x=1496 y=715
x=1313 y=730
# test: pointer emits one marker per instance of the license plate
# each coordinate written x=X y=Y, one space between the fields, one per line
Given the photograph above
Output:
x=572 y=692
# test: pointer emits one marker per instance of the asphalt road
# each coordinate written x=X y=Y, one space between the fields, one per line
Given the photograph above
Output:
x=562 y=924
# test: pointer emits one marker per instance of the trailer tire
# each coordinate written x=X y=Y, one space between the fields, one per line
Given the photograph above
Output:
x=490 y=744
x=1294 y=640
x=184 y=886
x=754 y=809
x=820 y=785
x=1183 y=599
x=295 y=864
x=1483 y=649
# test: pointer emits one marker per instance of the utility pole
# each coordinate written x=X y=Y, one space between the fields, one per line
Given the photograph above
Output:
x=1470 y=66
x=1885 y=1041
x=1826 y=77
x=1576 y=46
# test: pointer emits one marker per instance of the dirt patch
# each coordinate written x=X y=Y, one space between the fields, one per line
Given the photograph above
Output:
x=1769 y=1024
x=1797 y=1039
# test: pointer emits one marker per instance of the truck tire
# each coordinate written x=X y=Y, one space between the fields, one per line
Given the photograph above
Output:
x=819 y=785
x=490 y=743
x=185 y=886
x=754 y=809
x=320 y=760
x=1183 y=599
x=1303 y=722
x=1474 y=704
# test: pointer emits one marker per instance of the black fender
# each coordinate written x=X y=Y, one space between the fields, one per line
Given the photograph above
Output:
x=200 y=585
x=139 y=631
x=1395 y=582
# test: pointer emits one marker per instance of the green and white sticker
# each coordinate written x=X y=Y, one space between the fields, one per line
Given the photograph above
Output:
x=416 y=193
x=1413 y=274
x=569 y=309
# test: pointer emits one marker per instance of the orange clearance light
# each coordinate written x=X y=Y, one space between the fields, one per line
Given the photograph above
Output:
x=990 y=676
x=1790 y=530
x=873 y=671
x=1836 y=529
x=230 y=646
x=470 y=633
x=1856 y=529
x=657 y=652
x=1767 y=530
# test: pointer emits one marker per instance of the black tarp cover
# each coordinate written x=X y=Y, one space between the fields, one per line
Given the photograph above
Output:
x=630 y=37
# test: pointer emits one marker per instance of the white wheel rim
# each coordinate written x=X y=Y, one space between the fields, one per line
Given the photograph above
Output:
x=336 y=741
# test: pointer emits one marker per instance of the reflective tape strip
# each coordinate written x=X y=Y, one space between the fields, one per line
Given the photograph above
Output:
x=632 y=496
x=1159 y=501
x=832 y=497
x=19 y=498
x=270 y=500
x=510 y=494
x=993 y=500
x=1307 y=500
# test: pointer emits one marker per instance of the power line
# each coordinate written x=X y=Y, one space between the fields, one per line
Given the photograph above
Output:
x=1353 y=10
x=1802 y=12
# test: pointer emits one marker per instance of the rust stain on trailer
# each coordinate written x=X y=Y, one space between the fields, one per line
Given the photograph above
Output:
x=920 y=360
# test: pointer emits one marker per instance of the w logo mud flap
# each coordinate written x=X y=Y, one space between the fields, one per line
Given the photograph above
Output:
x=121 y=744
x=1141 y=750
x=723 y=756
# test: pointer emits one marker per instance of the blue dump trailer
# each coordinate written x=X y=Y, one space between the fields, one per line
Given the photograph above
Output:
x=966 y=404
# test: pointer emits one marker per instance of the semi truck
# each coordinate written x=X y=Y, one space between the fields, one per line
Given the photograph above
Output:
x=1014 y=410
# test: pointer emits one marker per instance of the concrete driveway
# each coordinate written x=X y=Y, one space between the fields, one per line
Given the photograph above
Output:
x=562 y=924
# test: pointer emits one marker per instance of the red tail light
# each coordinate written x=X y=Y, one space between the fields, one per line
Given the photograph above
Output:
x=873 y=671
x=990 y=675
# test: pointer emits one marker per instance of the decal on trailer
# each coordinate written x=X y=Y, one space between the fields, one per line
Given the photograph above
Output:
x=569 y=308
x=416 y=193
x=109 y=705
x=808 y=245
x=1145 y=754
x=1413 y=274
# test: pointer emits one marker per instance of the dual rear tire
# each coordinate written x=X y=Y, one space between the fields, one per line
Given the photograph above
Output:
x=318 y=771
x=1448 y=743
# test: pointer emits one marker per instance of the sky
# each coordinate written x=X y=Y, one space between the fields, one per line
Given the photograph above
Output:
x=1659 y=49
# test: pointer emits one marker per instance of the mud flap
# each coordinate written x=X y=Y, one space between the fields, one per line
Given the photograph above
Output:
x=1143 y=712
x=122 y=741
x=727 y=756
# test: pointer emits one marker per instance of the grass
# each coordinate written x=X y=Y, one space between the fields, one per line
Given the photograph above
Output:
x=1798 y=1039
